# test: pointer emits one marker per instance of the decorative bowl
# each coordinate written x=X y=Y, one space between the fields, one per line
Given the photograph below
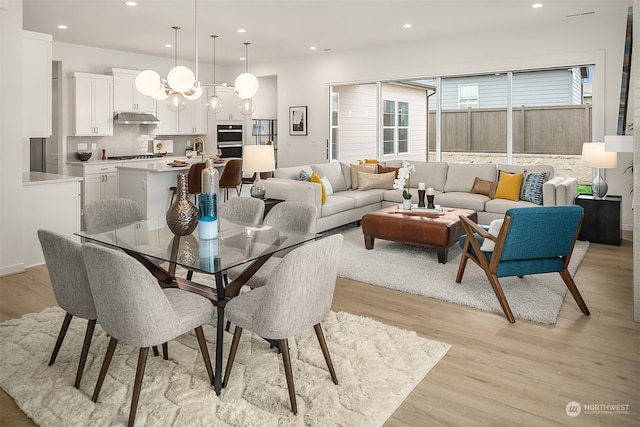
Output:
x=83 y=156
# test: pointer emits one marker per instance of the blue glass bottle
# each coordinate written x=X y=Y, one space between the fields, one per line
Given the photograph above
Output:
x=208 y=203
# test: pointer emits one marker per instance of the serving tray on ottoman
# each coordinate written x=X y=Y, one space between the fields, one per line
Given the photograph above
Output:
x=433 y=231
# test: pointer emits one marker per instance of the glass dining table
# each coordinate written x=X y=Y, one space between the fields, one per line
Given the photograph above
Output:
x=152 y=243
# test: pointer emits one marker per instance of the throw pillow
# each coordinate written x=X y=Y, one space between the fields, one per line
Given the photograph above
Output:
x=383 y=169
x=369 y=168
x=481 y=186
x=532 y=183
x=494 y=229
x=328 y=189
x=367 y=181
x=303 y=176
x=315 y=178
x=509 y=186
x=369 y=161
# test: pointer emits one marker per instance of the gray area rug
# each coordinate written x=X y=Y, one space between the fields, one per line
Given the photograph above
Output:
x=377 y=367
x=416 y=270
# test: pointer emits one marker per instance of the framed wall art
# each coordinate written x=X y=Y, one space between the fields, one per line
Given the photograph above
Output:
x=298 y=120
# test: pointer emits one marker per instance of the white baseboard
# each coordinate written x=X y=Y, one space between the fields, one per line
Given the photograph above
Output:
x=11 y=269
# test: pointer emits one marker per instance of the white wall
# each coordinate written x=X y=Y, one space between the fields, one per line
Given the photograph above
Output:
x=12 y=144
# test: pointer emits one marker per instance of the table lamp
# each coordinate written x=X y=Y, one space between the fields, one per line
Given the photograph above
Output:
x=256 y=159
x=594 y=156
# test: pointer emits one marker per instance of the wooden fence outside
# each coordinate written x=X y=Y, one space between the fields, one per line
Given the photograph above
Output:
x=541 y=130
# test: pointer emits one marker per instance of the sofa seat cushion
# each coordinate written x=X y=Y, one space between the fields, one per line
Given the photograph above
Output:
x=336 y=204
x=457 y=199
x=363 y=197
x=461 y=176
x=500 y=206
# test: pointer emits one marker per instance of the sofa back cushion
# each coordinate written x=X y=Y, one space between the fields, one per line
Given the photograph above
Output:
x=333 y=172
x=291 y=172
x=433 y=174
x=529 y=168
x=461 y=176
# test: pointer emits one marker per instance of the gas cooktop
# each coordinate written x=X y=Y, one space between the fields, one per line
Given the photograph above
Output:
x=135 y=156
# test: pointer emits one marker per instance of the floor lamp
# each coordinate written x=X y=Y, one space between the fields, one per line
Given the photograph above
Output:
x=256 y=159
x=594 y=156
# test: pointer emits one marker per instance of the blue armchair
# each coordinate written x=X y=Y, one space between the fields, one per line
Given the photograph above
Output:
x=531 y=241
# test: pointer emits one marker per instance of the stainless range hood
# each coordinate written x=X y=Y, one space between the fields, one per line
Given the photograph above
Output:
x=135 y=119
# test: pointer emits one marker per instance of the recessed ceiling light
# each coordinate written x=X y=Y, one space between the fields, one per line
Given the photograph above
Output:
x=536 y=5
x=407 y=26
x=243 y=59
x=168 y=45
x=61 y=27
x=130 y=3
x=312 y=48
x=242 y=30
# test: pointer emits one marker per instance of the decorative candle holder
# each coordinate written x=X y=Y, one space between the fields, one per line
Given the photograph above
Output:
x=430 y=204
x=421 y=194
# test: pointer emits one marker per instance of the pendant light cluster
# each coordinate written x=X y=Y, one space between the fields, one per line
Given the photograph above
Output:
x=182 y=85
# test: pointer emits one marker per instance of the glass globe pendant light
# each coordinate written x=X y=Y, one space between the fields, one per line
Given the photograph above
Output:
x=214 y=104
x=247 y=107
x=246 y=84
x=176 y=102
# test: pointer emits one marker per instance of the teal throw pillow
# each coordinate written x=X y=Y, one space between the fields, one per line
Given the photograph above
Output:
x=531 y=189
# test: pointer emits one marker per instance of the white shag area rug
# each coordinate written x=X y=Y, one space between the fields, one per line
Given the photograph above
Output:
x=416 y=270
x=377 y=367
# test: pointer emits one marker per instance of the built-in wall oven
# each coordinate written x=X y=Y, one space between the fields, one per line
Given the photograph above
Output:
x=230 y=137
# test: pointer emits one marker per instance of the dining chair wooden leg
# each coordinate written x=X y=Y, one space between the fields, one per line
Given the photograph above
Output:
x=165 y=351
x=88 y=335
x=61 y=335
x=325 y=352
x=288 y=372
x=232 y=355
x=137 y=385
x=105 y=367
x=202 y=342
x=571 y=285
x=155 y=350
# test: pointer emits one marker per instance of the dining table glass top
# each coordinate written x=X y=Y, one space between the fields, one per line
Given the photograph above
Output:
x=236 y=244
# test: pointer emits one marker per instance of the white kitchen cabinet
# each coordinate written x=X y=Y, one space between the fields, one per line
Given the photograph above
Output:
x=190 y=121
x=125 y=95
x=230 y=104
x=92 y=104
x=36 y=84
x=100 y=180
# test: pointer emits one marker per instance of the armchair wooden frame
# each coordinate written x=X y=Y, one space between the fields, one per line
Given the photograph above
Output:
x=471 y=251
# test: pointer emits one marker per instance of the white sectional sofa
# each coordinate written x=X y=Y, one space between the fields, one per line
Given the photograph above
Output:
x=452 y=184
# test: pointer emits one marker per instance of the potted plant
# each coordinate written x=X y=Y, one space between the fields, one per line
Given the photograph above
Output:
x=404 y=177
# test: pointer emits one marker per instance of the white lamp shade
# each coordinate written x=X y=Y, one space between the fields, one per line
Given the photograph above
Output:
x=214 y=104
x=247 y=107
x=161 y=94
x=193 y=94
x=258 y=158
x=148 y=82
x=594 y=156
x=176 y=102
x=246 y=86
x=181 y=79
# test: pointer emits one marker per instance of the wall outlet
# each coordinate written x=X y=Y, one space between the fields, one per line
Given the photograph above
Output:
x=94 y=145
x=82 y=146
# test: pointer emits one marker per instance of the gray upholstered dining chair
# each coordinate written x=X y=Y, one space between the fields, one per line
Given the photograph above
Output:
x=249 y=210
x=291 y=216
x=296 y=297
x=109 y=214
x=70 y=284
x=133 y=309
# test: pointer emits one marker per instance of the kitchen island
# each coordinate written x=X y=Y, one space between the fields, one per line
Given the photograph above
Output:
x=148 y=184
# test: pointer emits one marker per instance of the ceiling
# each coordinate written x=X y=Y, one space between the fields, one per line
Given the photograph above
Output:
x=282 y=29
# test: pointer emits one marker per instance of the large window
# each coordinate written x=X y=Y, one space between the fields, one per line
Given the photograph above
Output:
x=395 y=127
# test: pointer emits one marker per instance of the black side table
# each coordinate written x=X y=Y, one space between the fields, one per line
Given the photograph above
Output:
x=602 y=219
x=269 y=203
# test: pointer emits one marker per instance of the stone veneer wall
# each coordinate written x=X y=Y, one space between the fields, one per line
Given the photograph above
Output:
x=564 y=165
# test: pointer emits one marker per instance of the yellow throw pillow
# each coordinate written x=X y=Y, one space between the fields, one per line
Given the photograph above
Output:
x=509 y=186
x=368 y=168
x=374 y=161
x=315 y=178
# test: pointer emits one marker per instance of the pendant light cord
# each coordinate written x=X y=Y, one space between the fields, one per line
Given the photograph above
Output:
x=175 y=44
x=246 y=56
x=195 y=18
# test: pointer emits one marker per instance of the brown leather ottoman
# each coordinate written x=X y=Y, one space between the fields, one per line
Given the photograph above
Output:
x=416 y=228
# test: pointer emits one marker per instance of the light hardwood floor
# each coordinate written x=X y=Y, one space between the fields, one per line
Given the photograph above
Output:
x=496 y=373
